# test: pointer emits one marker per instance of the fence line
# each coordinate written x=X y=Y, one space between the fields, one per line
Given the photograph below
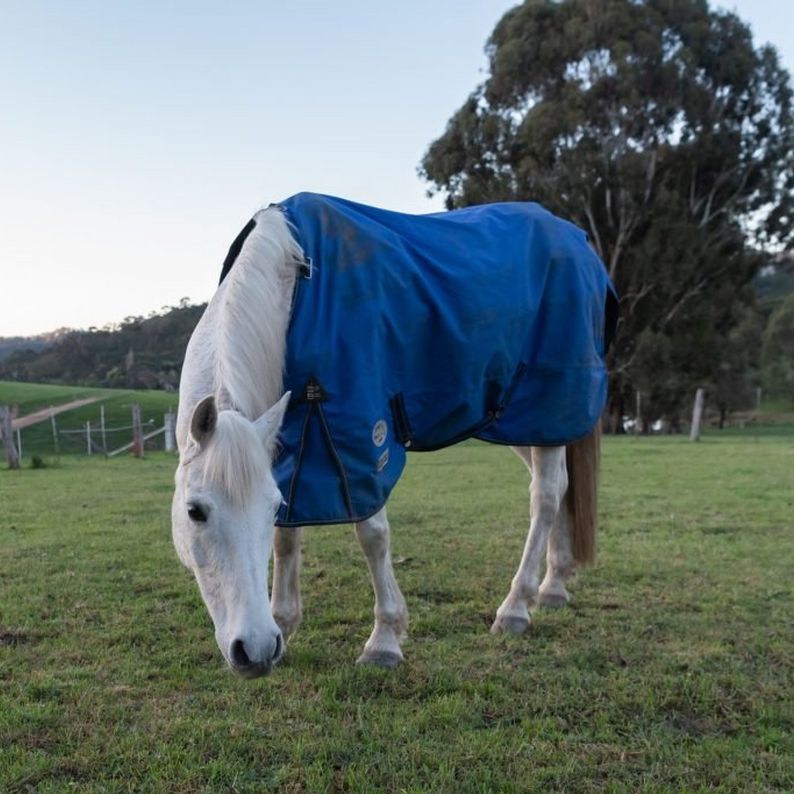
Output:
x=54 y=431
x=93 y=437
x=81 y=430
x=136 y=441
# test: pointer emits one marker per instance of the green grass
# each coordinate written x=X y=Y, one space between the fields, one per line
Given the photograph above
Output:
x=777 y=404
x=673 y=670
x=37 y=440
x=33 y=396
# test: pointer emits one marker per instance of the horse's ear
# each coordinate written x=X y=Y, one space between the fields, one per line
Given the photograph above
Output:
x=269 y=423
x=204 y=420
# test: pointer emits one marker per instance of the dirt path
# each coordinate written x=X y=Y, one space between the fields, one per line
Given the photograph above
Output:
x=45 y=413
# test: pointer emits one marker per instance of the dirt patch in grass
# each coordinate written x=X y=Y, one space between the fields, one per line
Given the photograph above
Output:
x=11 y=638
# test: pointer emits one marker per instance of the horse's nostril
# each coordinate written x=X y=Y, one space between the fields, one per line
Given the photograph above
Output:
x=239 y=657
x=279 y=647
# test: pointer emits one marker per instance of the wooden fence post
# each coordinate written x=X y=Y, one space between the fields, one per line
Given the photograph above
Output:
x=170 y=436
x=102 y=429
x=137 y=431
x=697 y=415
x=8 y=438
x=638 y=414
x=54 y=432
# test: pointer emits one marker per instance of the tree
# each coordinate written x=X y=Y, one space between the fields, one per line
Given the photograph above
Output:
x=658 y=128
x=739 y=374
x=778 y=350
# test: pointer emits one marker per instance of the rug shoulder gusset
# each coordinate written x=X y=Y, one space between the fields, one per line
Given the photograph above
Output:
x=332 y=470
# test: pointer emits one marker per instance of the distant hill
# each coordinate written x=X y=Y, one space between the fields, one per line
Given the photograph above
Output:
x=139 y=353
x=12 y=344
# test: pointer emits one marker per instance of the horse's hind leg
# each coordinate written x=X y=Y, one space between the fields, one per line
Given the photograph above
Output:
x=559 y=562
x=391 y=613
x=286 y=596
x=547 y=489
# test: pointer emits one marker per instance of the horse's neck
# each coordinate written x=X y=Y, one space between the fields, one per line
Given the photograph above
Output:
x=238 y=348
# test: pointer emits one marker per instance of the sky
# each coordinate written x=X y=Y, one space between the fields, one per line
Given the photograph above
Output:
x=138 y=137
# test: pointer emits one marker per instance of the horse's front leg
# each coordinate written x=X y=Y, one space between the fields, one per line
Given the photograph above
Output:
x=391 y=614
x=286 y=596
x=547 y=489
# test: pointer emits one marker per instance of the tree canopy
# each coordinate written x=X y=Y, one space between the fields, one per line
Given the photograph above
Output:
x=661 y=130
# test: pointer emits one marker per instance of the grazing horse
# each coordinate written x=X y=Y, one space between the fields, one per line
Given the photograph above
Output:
x=343 y=335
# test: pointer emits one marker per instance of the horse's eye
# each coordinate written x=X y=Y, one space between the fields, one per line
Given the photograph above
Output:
x=196 y=512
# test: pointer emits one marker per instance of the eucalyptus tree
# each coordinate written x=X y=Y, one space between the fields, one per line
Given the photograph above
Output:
x=658 y=127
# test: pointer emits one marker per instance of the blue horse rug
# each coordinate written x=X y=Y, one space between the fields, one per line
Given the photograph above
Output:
x=416 y=332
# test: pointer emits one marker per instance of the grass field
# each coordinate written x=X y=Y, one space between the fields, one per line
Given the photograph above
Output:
x=37 y=440
x=672 y=671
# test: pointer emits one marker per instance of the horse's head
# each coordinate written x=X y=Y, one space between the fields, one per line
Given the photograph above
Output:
x=223 y=514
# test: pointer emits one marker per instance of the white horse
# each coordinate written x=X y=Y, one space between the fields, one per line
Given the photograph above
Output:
x=226 y=500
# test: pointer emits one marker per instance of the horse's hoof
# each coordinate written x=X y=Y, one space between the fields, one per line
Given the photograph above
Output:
x=386 y=659
x=553 y=600
x=510 y=624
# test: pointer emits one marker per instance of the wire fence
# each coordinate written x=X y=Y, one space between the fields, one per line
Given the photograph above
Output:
x=91 y=437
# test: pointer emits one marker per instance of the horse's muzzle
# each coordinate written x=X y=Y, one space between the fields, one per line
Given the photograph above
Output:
x=244 y=662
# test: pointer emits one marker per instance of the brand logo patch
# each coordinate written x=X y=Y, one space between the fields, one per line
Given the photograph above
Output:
x=379 y=433
x=383 y=460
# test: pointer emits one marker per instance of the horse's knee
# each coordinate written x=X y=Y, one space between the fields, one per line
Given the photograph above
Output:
x=374 y=528
x=373 y=536
x=287 y=541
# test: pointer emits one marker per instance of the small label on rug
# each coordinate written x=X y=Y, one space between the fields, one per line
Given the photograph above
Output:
x=379 y=433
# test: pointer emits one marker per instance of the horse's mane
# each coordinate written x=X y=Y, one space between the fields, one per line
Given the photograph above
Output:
x=253 y=313
x=235 y=459
x=247 y=339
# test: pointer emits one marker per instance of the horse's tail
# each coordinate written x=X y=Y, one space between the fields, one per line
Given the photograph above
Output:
x=583 y=459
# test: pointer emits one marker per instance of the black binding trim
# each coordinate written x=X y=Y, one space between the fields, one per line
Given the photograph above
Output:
x=340 y=469
x=298 y=466
x=235 y=248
